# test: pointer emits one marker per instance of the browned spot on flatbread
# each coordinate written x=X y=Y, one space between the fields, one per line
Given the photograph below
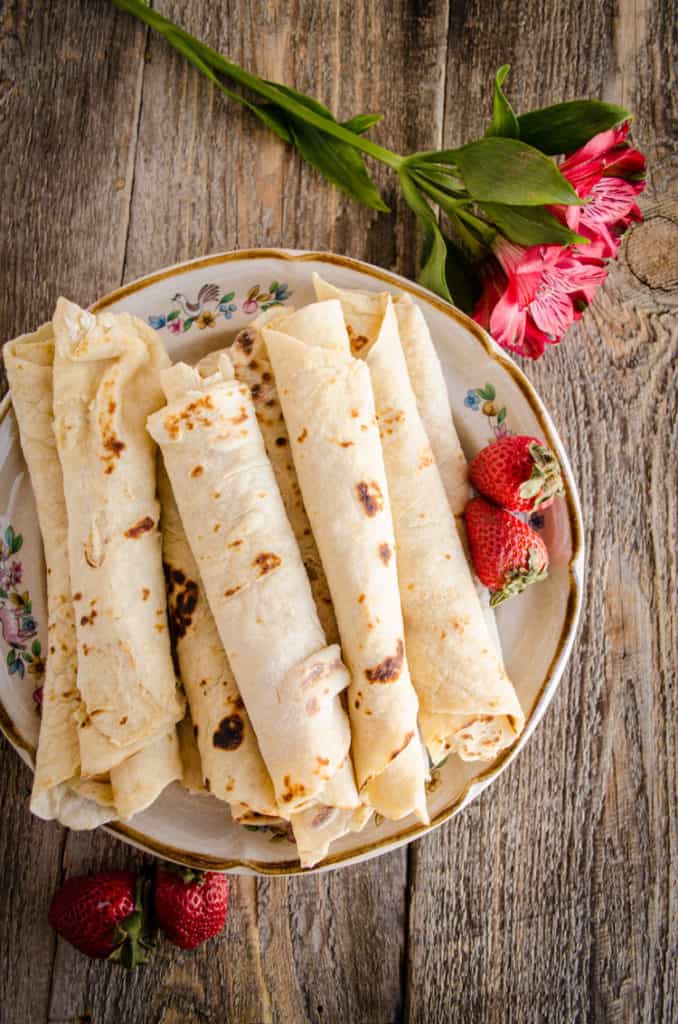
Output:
x=385 y=553
x=232 y=590
x=88 y=620
x=370 y=496
x=77 y=597
x=408 y=736
x=361 y=599
x=358 y=341
x=256 y=391
x=241 y=417
x=182 y=598
x=197 y=471
x=253 y=364
x=235 y=544
x=208 y=786
x=143 y=526
x=267 y=377
x=355 y=414
x=245 y=341
x=281 y=441
x=292 y=789
x=267 y=561
x=425 y=458
x=145 y=593
x=347 y=444
x=195 y=731
x=388 y=670
x=123 y=720
x=322 y=760
x=112 y=406
x=193 y=413
x=302 y=436
x=230 y=733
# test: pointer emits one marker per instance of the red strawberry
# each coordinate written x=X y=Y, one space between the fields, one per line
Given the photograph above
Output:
x=507 y=554
x=102 y=916
x=190 y=906
x=518 y=473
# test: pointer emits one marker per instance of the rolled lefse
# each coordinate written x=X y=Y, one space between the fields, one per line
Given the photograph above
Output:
x=259 y=595
x=468 y=704
x=106 y=382
x=232 y=768
x=58 y=792
x=328 y=406
x=253 y=367
x=426 y=378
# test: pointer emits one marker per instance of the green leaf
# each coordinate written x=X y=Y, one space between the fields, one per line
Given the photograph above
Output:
x=362 y=123
x=3 y=593
x=188 y=323
x=501 y=415
x=300 y=97
x=531 y=225
x=227 y=298
x=461 y=280
x=28 y=606
x=338 y=162
x=497 y=170
x=26 y=656
x=565 y=127
x=488 y=392
x=9 y=537
x=11 y=655
x=173 y=315
x=433 y=247
x=504 y=122
x=35 y=647
x=270 y=115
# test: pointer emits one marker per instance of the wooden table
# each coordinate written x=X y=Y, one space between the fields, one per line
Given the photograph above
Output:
x=553 y=897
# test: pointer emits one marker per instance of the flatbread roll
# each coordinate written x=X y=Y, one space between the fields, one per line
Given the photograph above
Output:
x=231 y=765
x=328 y=405
x=257 y=589
x=106 y=382
x=59 y=791
x=468 y=704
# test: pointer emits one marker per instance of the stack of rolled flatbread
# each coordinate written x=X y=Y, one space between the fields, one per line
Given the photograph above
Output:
x=256 y=582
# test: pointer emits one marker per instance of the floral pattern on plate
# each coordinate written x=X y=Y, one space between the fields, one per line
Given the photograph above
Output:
x=210 y=304
x=18 y=626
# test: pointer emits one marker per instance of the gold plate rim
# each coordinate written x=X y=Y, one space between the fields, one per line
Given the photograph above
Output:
x=575 y=569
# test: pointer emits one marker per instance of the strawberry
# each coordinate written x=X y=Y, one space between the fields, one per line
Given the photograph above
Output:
x=190 y=906
x=102 y=916
x=518 y=473
x=507 y=554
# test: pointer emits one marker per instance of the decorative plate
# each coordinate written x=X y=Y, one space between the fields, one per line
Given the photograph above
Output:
x=198 y=306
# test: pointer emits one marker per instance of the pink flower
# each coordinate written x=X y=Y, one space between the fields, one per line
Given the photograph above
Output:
x=531 y=296
x=175 y=326
x=250 y=306
x=609 y=174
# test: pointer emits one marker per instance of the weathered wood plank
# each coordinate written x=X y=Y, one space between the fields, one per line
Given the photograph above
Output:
x=552 y=898
x=64 y=183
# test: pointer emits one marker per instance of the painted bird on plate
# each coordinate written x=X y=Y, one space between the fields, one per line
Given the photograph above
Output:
x=208 y=293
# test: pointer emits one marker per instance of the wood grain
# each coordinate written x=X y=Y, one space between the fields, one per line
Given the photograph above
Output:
x=557 y=900
x=553 y=897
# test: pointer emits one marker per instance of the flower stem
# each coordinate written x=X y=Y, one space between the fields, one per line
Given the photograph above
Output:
x=173 y=34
